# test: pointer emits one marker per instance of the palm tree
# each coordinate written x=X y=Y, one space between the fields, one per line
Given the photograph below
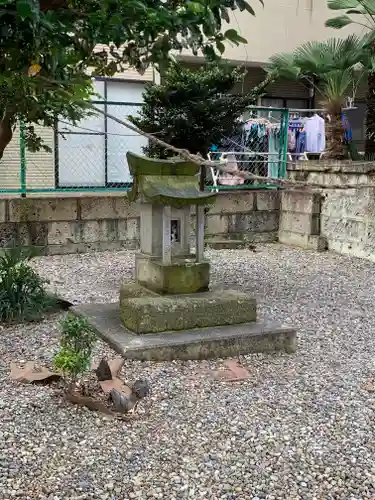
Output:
x=362 y=13
x=334 y=67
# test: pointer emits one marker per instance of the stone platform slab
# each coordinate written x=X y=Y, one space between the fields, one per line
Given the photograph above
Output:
x=161 y=313
x=202 y=343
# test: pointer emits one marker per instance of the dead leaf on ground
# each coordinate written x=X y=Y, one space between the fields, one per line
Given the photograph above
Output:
x=94 y=405
x=29 y=373
x=369 y=386
x=115 y=383
x=90 y=403
x=115 y=366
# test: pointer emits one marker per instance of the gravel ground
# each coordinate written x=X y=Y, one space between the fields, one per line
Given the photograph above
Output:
x=302 y=426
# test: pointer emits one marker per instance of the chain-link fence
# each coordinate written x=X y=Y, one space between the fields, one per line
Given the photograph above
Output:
x=91 y=157
x=260 y=148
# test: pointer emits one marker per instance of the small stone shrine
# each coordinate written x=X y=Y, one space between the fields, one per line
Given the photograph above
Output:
x=170 y=311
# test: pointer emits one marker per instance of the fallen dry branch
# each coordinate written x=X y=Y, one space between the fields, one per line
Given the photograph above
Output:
x=87 y=401
x=97 y=396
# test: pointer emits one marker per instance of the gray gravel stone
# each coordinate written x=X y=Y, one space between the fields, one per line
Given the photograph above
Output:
x=300 y=428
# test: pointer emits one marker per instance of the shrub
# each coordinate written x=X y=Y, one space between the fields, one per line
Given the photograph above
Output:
x=194 y=110
x=76 y=345
x=22 y=291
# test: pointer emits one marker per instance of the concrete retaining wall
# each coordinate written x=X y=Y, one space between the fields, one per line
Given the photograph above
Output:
x=347 y=216
x=248 y=215
x=82 y=224
x=300 y=220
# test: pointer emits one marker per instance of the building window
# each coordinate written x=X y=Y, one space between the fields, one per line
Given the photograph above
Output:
x=93 y=153
x=280 y=102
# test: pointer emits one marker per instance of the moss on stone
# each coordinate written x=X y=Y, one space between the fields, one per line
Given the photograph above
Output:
x=179 y=312
x=176 y=278
x=134 y=290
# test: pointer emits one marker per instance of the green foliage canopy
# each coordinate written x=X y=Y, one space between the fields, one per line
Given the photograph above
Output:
x=59 y=40
x=194 y=109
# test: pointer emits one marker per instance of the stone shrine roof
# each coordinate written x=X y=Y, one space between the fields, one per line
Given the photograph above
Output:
x=166 y=182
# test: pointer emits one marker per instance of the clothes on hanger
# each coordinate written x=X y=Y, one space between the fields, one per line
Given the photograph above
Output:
x=315 y=134
x=274 y=151
x=297 y=136
x=348 y=132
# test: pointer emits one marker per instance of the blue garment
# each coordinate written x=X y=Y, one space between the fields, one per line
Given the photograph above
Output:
x=348 y=132
x=301 y=143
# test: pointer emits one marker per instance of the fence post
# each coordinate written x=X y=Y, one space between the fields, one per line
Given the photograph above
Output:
x=23 y=160
x=283 y=143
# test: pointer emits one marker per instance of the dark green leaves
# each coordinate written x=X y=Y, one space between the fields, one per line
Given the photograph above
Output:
x=338 y=22
x=193 y=109
x=364 y=8
x=26 y=8
x=62 y=41
x=22 y=293
x=342 y=4
x=234 y=37
x=243 y=5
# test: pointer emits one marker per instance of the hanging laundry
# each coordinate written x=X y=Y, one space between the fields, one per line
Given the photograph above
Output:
x=297 y=137
x=274 y=150
x=348 y=131
x=292 y=141
x=234 y=177
x=300 y=144
x=315 y=134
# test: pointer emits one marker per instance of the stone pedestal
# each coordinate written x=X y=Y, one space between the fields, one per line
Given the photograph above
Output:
x=171 y=304
x=177 y=277
x=145 y=312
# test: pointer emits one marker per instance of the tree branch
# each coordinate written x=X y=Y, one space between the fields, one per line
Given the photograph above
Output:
x=6 y=130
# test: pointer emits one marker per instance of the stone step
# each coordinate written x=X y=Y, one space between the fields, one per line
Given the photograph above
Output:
x=202 y=343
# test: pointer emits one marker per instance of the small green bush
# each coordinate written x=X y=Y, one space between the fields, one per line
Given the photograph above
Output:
x=76 y=345
x=22 y=291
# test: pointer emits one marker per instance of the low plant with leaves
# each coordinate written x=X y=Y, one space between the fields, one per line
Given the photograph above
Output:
x=76 y=344
x=22 y=291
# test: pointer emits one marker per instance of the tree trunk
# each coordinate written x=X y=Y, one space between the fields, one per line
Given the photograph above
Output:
x=336 y=148
x=370 y=118
x=6 y=132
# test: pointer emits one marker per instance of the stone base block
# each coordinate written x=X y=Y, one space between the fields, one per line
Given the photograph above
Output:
x=157 y=313
x=307 y=241
x=217 y=342
x=178 y=277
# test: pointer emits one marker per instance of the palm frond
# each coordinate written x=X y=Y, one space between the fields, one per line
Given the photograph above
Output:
x=335 y=88
x=334 y=53
x=365 y=8
x=338 y=22
x=284 y=65
x=342 y=4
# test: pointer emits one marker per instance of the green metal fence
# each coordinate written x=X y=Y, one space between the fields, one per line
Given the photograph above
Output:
x=260 y=148
x=91 y=157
